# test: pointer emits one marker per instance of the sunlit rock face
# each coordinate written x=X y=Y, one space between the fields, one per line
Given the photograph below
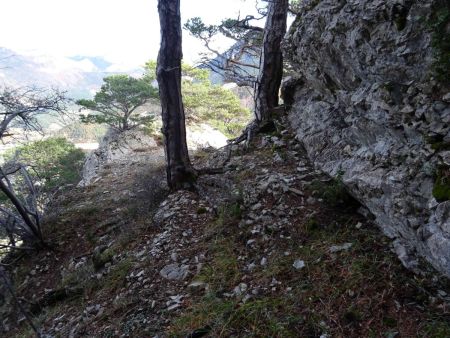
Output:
x=138 y=147
x=366 y=106
x=126 y=148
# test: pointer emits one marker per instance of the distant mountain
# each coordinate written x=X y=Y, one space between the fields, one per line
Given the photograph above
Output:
x=80 y=75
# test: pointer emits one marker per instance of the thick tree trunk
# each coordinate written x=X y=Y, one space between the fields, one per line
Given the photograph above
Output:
x=271 y=63
x=180 y=174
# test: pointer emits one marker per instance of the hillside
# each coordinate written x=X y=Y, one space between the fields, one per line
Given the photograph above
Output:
x=332 y=219
x=269 y=248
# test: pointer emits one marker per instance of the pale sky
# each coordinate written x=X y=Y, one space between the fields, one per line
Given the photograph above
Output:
x=125 y=32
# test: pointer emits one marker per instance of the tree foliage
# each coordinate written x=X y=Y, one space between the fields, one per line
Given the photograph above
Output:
x=205 y=102
x=240 y=63
x=117 y=102
x=54 y=162
x=22 y=108
x=20 y=214
x=32 y=173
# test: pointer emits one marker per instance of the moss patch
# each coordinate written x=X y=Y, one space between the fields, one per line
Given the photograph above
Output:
x=440 y=24
x=116 y=277
x=441 y=189
x=332 y=192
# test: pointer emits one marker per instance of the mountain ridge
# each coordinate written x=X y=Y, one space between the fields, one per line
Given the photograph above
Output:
x=81 y=76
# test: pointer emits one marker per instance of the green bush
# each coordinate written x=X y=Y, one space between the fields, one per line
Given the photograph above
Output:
x=54 y=162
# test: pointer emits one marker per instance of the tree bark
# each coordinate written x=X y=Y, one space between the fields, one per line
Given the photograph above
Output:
x=180 y=173
x=271 y=62
x=33 y=227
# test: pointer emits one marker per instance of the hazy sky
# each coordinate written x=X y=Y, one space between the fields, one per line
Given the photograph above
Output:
x=125 y=32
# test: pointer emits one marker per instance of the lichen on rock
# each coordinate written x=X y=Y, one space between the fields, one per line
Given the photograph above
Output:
x=364 y=98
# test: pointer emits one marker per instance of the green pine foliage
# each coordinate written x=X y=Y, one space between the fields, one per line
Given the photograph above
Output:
x=208 y=103
x=117 y=102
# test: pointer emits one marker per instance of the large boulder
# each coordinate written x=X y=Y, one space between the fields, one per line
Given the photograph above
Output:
x=366 y=106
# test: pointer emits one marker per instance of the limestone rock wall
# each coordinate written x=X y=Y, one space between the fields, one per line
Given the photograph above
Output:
x=118 y=148
x=364 y=103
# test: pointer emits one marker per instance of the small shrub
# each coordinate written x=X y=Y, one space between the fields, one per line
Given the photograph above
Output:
x=116 y=277
x=55 y=161
x=332 y=192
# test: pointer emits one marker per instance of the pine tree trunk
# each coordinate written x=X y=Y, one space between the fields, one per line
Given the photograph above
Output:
x=180 y=174
x=271 y=63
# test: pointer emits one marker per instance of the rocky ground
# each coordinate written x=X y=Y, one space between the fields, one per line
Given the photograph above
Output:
x=270 y=248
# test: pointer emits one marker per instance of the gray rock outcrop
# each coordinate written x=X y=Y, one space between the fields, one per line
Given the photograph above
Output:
x=366 y=107
x=136 y=146
x=126 y=147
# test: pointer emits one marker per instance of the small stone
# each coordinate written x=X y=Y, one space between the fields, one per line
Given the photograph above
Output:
x=197 y=285
x=296 y=191
x=343 y=247
x=263 y=261
x=246 y=298
x=298 y=264
x=240 y=289
x=407 y=110
x=175 y=272
x=358 y=225
x=257 y=206
x=251 y=266
x=173 y=307
x=442 y=293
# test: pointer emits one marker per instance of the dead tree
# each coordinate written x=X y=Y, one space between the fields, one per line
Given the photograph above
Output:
x=271 y=62
x=20 y=108
x=180 y=173
x=26 y=221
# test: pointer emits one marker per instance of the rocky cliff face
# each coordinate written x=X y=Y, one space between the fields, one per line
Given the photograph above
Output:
x=369 y=109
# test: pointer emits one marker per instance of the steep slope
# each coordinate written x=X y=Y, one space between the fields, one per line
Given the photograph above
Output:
x=270 y=248
x=368 y=107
